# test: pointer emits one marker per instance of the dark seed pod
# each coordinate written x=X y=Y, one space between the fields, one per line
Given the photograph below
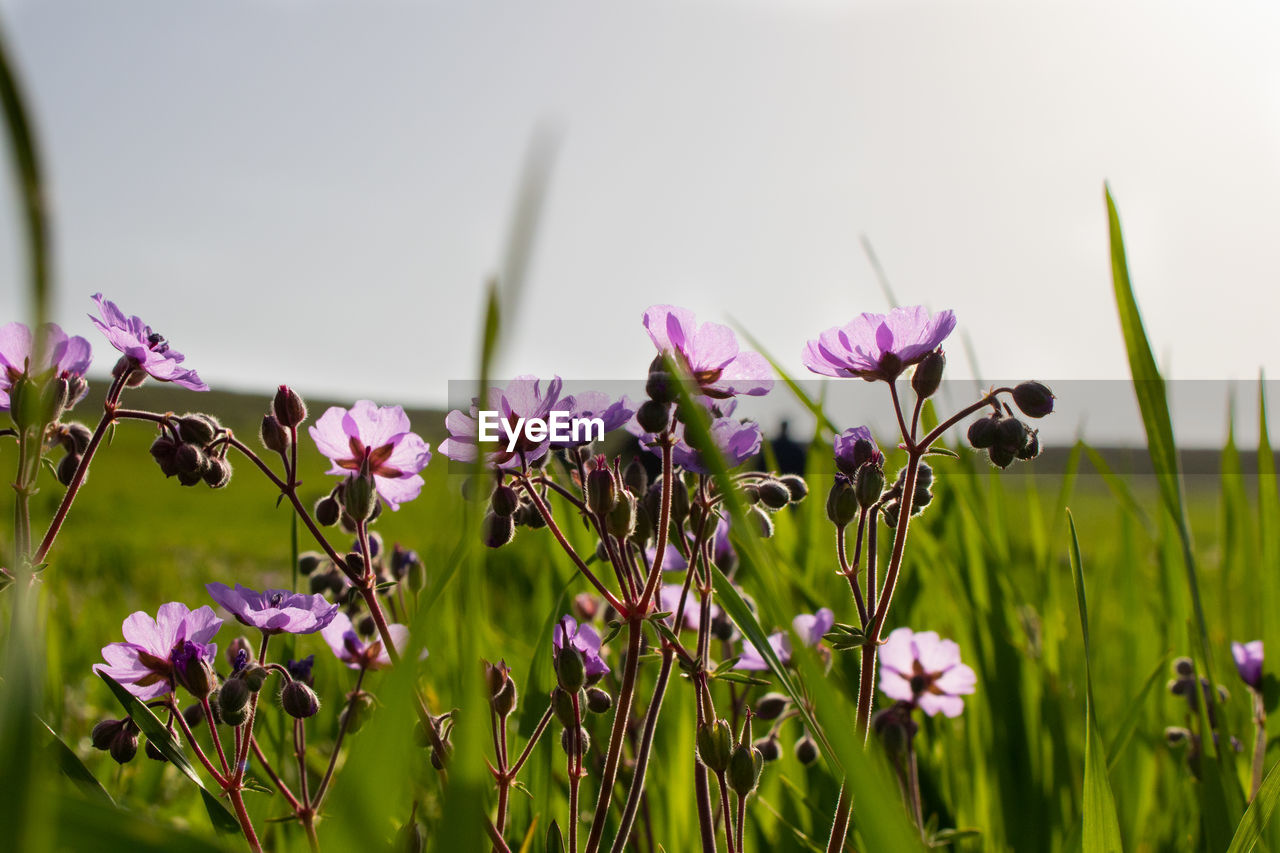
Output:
x=598 y=701
x=1031 y=449
x=806 y=750
x=652 y=416
x=198 y=429
x=299 y=701
x=1034 y=399
x=770 y=706
x=218 y=474
x=498 y=530
x=774 y=494
x=327 y=511
x=504 y=501
x=769 y=748
x=1000 y=457
x=1011 y=435
x=67 y=468
x=796 y=485
x=982 y=432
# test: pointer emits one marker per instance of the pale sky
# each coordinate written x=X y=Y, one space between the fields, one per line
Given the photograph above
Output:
x=313 y=192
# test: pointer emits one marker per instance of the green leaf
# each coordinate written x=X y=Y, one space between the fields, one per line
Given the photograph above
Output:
x=1130 y=722
x=150 y=724
x=555 y=840
x=1258 y=815
x=73 y=768
x=1101 y=822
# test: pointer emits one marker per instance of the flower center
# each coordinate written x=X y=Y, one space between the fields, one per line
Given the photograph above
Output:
x=276 y=599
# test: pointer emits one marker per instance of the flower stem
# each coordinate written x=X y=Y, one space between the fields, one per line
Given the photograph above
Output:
x=545 y=512
x=622 y=713
x=1259 y=743
x=636 y=794
x=213 y=733
x=77 y=479
x=318 y=800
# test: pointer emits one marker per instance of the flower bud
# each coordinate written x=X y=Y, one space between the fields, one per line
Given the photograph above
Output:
x=288 y=407
x=255 y=676
x=1001 y=457
x=1033 y=399
x=601 y=490
x=498 y=530
x=197 y=429
x=750 y=494
x=868 y=485
x=1031 y=449
x=67 y=468
x=598 y=700
x=928 y=374
x=715 y=745
x=806 y=750
x=796 y=485
x=359 y=496
x=327 y=511
x=653 y=416
x=502 y=688
x=105 y=732
x=1011 y=435
x=562 y=706
x=411 y=838
x=890 y=513
x=570 y=670
x=154 y=753
x=622 y=518
x=504 y=501
x=1183 y=667
x=568 y=741
x=769 y=748
x=124 y=746
x=273 y=435
x=770 y=706
x=192 y=671
x=982 y=432
x=190 y=460
x=233 y=695
x=218 y=474
x=299 y=701
x=774 y=494
x=679 y=502
x=660 y=387
x=76 y=437
x=309 y=561
x=643 y=526
x=635 y=478
x=842 y=502
x=745 y=765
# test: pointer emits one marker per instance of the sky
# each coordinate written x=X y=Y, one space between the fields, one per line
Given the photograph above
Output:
x=315 y=193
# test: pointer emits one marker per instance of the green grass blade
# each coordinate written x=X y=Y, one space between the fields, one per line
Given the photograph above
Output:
x=156 y=733
x=1101 y=830
x=1258 y=815
x=73 y=768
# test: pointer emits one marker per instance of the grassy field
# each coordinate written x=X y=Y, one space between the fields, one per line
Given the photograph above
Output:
x=988 y=567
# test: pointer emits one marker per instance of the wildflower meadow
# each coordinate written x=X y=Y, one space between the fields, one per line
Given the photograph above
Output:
x=585 y=620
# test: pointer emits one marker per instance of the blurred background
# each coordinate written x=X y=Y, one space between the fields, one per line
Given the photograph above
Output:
x=315 y=192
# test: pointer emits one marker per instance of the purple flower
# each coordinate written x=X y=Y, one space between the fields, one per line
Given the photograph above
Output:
x=709 y=352
x=751 y=658
x=878 y=346
x=810 y=627
x=300 y=670
x=925 y=671
x=1248 y=657
x=595 y=404
x=61 y=357
x=524 y=398
x=274 y=611
x=146 y=349
x=354 y=652
x=379 y=437
x=669 y=600
x=585 y=639
x=144 y=663
x=855 y=447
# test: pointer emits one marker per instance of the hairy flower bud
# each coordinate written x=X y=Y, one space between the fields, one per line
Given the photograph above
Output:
x=598 y=700
x=104 y=732
x=842 y=502
x=189 y=459
x=601 y=490
x=498 y=530
x=759 y=522
x=868 y=485
x=745 y=765
x=1011 y=435
x=356 y=713
x=562 y=706
x=622 y=518
x=578 y=737
x=255 y=676
x=67 y=468
x=327 y=511
x=504 y=501
x=359 y=496
x=770 y=706
x=309 y=561
x=124 y=746
x=233 y=695
x=288 y=407
x=1031 y=449
x=570 y=668
x=76 y=437
x=982 y=432
x=796 y=485
x=1034 y=399
x=197 y=428
x=661 y=385
x=299 y=701
x=928 y=374
x=774 y=494
x=273 y=435
x=806 y=750
x=715 y=745
x=635 y=478
x=653 y=416
x=218 y=474
x=769 y=748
